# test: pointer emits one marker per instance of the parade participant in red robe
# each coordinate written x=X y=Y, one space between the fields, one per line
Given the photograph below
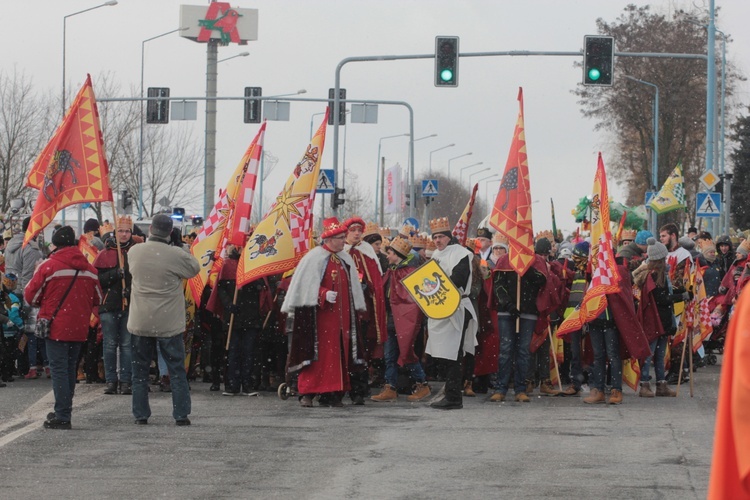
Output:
x=325 y=345
x=372 y=326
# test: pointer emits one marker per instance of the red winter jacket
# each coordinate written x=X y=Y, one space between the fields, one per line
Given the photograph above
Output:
x=47 y=287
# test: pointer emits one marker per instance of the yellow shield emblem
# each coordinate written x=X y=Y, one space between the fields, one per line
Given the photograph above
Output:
x=433 y=291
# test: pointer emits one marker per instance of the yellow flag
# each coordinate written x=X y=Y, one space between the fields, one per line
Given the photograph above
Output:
x=432 y=290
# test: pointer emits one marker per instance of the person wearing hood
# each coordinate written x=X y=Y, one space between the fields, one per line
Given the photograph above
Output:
x=10 y=324
x=66 y=289
x=712 y=273
x=724 y=255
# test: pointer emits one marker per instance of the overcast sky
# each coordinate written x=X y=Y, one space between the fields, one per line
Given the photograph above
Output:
x=301 y=42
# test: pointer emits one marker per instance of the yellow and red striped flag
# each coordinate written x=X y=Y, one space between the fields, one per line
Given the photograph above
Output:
x=511 y=214
x=72 y=168
x=605 y=278
x=462 y=226
x=284 y=234
x=87 y=248
x=631 y=373
x=230 y=216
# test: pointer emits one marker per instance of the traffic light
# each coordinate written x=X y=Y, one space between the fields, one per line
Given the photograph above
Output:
x=446 y=61
x=337 y=198
x=342 y=106
x=126 y=202
x=252 y=107
x=598 y=60
x=157 y=111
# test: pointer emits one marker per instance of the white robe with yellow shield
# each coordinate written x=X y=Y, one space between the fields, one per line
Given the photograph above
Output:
x=445 y=334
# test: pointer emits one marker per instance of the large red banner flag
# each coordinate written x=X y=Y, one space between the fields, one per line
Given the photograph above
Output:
x=511 y=214
x=284 y=234
x=72 y=168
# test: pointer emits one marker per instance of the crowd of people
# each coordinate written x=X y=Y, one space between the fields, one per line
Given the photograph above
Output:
x=109 y=307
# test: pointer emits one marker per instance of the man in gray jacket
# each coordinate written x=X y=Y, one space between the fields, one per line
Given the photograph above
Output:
x=157 y=315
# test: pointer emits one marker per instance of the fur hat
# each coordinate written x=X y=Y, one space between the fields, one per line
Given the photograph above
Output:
x=332 y=227
x=656 y=250
x=91 y=225
x=642 y=237
x=161 y=226
x=64 y=237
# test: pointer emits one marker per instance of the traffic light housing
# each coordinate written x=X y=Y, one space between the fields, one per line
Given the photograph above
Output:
x=252 y=107
x=157 y=111
x=446 y=61
x=598 y=60
x=126 y=202
x=342 y=106
x=337 y=197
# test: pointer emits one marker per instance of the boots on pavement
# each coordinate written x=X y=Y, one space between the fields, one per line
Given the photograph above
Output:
x=663 y=390
x=421 y=391
x=594 y=397
x=645 y=391
x=387 y=394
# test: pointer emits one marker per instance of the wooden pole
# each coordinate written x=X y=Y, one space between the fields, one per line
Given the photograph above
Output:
x=554 y=356
x=518 y=304
x=231 y=315
x=690 y=362
x=682 y=360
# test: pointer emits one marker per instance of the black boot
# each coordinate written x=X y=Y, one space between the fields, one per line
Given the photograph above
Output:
x=126 y=389
x=111 y=388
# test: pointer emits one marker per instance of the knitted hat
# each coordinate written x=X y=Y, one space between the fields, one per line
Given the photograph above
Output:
x=64 y=237
x=332 y=227
x=686 y=242
x=582 y=249
x=744 y=248
x=642 y=237
x=161 y=226
x=656 y=250
x=542 y=246
x=565 y=253
x=91 y=225
x=709 y=252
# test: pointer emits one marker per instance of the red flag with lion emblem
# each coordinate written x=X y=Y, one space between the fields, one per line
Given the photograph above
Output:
x=72 y=168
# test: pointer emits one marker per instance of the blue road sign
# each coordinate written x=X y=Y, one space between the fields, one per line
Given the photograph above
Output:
x=326 y=181
x=429 y=187
x=649 y=197
x=709 y=204
x=412 y=222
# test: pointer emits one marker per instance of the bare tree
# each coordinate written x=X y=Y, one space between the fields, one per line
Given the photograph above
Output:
x=25 y=126
x=359 y=200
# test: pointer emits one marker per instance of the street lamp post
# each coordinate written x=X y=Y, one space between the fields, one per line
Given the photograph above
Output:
x=241 y=54
x=655 y=160
x=110 y=3
x=141 y=205
x=435 y=151
x=477 y=172
x=461 y=172
x=726 y=214
x=380 y=176
x=456 y=158
x=410 y=169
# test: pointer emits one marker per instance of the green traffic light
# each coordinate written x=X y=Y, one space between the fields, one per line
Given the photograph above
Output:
x=446 y=75
x=594 y=74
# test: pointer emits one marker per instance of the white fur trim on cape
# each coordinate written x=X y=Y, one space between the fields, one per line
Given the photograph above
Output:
x=366 y=250
x=303 y=290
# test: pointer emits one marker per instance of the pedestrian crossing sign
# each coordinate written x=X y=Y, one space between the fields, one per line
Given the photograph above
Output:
x=326 y=181
x=430 y=187
x=709 y=204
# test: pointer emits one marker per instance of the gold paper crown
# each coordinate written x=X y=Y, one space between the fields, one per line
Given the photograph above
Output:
x=628 y=234
x=124 y=222
x=431 y=247
x=417 y=241
x=370 y=229
x=401 y=245
x=385 y=232
x=471 y=243
x=407 y=230
x=546 y=234
x=499 y=238
x=440 y=225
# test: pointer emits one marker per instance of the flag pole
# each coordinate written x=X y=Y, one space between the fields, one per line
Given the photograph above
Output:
x=682 y=360
x=554 y=356
x=690 y=361
x=231 y=315
x=518 y=303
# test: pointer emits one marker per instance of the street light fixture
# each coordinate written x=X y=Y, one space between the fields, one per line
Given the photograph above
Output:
x=477 y=172
x=241 y=54
x=435 y=151
x=456 y=158
x=140 y=143
x=110 y=3
x=461 y=172
x=381 y=167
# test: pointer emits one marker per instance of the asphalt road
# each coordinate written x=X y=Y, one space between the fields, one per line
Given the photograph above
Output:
x=262 y=447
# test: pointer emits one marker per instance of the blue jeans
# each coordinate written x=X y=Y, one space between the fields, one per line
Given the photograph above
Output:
x=391 y=361
x=116 y=335
x=63 y=358
x=606 y=344
x=32 y=348
x=514 y=346
x=173 y=350
x=576 y=367
x=659 y=348
x=240 y=359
